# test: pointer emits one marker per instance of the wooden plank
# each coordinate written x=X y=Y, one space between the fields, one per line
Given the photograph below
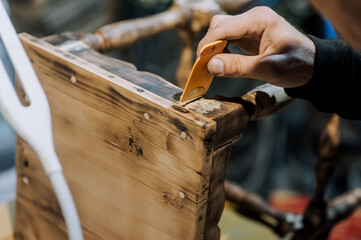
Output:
x=229 y=114
x=216 y=198
x=125 y=70
x=137 y=166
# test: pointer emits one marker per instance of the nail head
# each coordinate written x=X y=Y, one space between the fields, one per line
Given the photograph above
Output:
x=26 y=180
x=183 y=134
x=73 y=79
x=146 y=116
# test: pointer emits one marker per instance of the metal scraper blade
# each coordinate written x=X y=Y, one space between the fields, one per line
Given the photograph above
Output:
x=200 y=78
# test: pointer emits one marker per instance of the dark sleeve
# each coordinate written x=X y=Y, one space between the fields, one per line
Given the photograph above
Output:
x=335 y=86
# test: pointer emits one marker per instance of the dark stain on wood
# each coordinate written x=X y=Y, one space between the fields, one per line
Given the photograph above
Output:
x=18 y=235
x=145 y=80
x=26 y=163
x=133 y=148
x=177 y=96
x=59 y=68
x=115 y=95
x=208 y=139
x=180 y=109
x=139 y=89
x=248 y=106
x=67 y=72
x=62 y=69
x=179 y=125
x=144 y=107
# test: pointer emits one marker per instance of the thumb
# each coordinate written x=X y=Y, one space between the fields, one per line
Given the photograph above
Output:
x=233 y=65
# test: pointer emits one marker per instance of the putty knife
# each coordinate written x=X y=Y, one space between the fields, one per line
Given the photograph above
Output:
x=200 y=78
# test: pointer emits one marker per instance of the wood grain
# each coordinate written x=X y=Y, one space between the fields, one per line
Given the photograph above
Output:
x=232 y=114
x=216 y=198
x=139 y=165
x=127 y=155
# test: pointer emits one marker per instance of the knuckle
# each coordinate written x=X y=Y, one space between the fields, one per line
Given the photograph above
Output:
x=263 y=10
x=235 y=68
x=219 y=33
x=216 y=20
x=266 y=14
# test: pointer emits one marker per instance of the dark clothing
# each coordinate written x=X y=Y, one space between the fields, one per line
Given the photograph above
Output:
x=336 y=83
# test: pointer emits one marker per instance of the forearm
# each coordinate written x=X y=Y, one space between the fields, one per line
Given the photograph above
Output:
x=335 y=85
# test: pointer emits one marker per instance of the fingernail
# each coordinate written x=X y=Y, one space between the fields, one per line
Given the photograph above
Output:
x=216 y=66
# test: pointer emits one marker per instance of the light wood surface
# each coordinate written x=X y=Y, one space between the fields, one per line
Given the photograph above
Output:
x=6 y=228
x=139 y=165
x=233 y=226
x=230 y=114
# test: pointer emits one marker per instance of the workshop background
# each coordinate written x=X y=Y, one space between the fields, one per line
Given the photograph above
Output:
x=274 y=157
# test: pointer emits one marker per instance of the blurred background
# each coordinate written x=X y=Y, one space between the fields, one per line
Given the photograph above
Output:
x=277 y=153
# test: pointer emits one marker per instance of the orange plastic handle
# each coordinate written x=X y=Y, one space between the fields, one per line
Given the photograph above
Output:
x=200 y=78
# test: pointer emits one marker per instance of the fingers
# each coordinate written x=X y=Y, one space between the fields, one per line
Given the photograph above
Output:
x=216 y=22
x=251 y=24
x=275 y=69
x=233 y=65
x=279 y=51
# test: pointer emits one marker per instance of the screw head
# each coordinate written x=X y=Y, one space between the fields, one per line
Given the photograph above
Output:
x=26 y=180
x=146 y=116
x=183 y=134
x=73 y=79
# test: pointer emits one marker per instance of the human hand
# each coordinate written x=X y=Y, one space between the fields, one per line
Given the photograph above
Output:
x=277 y=52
